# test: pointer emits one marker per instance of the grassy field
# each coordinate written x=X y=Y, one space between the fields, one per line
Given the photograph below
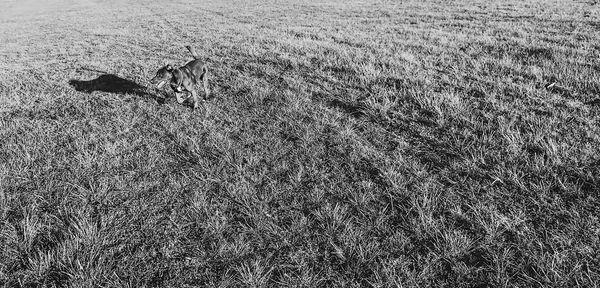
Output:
x=349 y=144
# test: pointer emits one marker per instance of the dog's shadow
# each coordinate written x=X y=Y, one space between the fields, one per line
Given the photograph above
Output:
x=111 y=83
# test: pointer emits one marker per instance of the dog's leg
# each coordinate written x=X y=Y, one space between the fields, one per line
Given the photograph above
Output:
x=205 y=84
x=179 y=97
x=195 y=99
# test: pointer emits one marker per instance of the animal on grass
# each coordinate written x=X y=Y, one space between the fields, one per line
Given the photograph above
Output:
x=183 y=80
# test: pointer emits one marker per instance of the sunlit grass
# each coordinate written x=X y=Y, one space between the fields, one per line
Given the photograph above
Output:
x=349 y=144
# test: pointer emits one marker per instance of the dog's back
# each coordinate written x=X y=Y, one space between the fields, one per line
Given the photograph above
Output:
x=196 y=66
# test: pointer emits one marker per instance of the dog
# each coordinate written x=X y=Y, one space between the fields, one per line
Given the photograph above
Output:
x=184 y=79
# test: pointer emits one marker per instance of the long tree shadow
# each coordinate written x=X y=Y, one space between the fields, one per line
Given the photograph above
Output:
x=113 y=84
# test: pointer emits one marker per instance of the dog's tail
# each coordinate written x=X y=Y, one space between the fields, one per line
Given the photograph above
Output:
x=192 y=51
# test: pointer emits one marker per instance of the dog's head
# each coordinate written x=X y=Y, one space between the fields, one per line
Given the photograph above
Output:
x=163 y=75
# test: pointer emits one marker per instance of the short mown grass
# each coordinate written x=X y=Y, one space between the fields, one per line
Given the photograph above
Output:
x=349 y=144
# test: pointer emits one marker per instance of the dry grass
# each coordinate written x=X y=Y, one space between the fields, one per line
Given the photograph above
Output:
x=350 y=144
